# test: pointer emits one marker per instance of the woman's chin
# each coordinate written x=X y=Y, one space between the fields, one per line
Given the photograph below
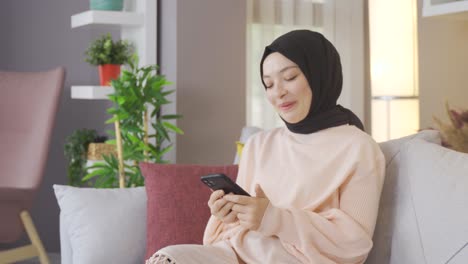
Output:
x=291 y=119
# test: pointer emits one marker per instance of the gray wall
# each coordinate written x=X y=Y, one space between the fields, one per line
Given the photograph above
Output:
x=443 y=66
x=207 y=64
x=36 y=35
x=202 y=50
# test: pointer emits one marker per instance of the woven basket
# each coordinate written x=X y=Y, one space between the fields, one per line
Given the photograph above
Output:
x=96 y=150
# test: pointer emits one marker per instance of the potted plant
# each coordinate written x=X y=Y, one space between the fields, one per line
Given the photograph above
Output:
x=108 y=55
x=81 y=146
x=99 y=148
x=75 y=150
x=136 y=92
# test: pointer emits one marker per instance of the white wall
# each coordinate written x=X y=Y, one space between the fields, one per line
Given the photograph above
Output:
x=443 y=66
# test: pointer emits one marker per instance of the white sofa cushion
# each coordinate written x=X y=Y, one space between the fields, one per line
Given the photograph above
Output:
x=102 y=225
x=394 y=202
x=438 y=179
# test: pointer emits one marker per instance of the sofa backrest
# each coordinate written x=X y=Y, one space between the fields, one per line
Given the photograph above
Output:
x=394 y=218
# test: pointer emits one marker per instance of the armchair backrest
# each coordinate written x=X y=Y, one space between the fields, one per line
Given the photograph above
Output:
x=28 y=107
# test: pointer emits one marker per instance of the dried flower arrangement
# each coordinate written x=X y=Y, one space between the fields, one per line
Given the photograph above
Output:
x=455 y=133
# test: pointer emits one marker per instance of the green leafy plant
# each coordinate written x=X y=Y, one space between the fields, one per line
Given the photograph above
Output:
x=76 y=148
x=136 y=92
x=106 y=51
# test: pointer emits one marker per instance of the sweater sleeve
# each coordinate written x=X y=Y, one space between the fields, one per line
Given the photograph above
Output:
x=215 y=228
x=344 y=234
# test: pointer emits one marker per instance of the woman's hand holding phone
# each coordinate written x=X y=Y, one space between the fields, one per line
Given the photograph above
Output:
x=249 y=210
x=238 y=204
x=221 y=208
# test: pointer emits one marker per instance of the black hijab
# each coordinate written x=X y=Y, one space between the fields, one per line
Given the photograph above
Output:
x=320 y=63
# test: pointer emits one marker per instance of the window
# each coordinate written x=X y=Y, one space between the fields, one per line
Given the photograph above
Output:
x=267 y=20
x=394 y=68
x=342 y=22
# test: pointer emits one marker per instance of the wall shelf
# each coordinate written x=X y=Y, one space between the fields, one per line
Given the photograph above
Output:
x=138 y=25
x=91 y=92
x=93 y=17
x=450 y=9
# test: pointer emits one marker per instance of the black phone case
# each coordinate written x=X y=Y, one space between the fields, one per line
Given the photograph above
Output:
x=222 y=182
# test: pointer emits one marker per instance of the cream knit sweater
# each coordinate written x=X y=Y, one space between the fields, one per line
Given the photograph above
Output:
x=324 y=190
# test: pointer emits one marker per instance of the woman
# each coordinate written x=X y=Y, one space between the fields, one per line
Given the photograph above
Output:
x=317 y=182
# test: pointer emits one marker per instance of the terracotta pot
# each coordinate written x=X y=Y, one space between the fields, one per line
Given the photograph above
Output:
x=108 y=72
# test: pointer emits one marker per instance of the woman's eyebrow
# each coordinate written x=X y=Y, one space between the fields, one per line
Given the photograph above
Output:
x=288 y=67
x=282 y=70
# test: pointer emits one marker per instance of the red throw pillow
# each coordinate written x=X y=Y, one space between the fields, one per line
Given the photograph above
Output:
x=177 y=210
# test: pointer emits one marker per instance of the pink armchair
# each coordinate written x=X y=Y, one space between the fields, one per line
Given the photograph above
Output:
x=28 y=106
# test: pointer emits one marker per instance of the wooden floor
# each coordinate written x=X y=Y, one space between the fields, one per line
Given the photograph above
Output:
x=54 y=259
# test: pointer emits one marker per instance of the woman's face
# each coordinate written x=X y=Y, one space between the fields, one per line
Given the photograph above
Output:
x=287 y=88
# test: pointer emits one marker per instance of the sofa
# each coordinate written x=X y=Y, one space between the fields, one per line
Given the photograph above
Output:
x=422 y=215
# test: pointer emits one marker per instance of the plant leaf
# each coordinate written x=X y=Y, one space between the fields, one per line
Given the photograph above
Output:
x=173 y=128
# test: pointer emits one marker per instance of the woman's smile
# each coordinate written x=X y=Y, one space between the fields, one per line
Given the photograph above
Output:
x=286 y=107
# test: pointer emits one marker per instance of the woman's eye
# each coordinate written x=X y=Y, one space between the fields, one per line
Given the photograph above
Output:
x=291 y=78
x=268 y=85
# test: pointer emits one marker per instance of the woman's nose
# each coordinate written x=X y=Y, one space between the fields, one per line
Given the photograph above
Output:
x=280 y=91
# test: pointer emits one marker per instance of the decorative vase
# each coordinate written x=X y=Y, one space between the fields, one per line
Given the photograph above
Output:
x=108 y=72
x=114 y=5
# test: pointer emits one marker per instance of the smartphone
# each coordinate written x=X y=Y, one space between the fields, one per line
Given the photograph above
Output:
x=220 y=181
